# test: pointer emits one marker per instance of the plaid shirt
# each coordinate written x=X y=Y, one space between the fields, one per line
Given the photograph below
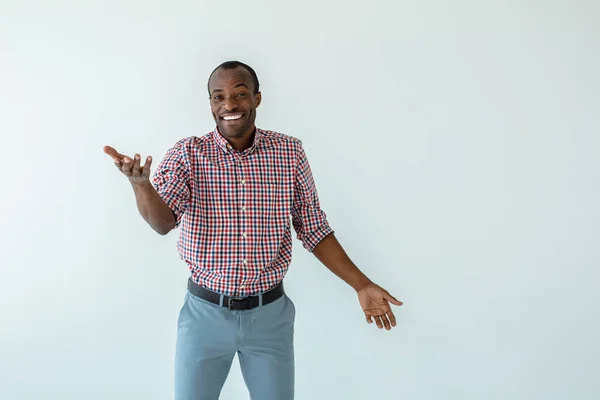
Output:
x=234 y=208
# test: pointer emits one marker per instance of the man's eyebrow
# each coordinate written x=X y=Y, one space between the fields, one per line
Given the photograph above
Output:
x=236 y=86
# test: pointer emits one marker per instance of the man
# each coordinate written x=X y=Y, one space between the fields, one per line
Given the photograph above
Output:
x=233 y=192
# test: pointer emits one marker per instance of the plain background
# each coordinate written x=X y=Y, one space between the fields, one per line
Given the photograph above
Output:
x=454 y=145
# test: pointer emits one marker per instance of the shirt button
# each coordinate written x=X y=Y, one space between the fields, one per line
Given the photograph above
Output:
x=243 y=181
x=242 y=286
x=243 y=208
x=245 y=262
x=244 y=234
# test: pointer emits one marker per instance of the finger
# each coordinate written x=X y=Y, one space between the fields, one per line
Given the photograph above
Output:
x=392 y=299
x=386 y=322
x=116 y=156
x=112 y=152
x=127 y=165
x=369 y=318
x=392 y=318
x=135 y=170
x=378 y=322
x=146 y=168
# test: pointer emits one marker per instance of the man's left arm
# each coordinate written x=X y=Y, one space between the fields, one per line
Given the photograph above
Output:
x=313 y=230
x=373 y=299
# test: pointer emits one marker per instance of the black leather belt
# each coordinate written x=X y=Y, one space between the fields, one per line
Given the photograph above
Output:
x=236 y=303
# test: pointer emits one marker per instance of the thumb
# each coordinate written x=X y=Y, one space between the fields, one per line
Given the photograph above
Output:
x=392 y=299
x=112 y=152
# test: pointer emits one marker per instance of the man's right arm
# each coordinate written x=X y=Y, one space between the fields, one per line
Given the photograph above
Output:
x=151 y=206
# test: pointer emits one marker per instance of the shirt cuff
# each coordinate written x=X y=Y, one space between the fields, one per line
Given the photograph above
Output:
x=314 y=238
x=174 y=204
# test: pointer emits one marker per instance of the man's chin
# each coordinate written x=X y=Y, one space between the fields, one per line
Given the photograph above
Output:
x=232 y=132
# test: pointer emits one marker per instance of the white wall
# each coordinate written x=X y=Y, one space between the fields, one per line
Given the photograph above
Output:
x=455 y=148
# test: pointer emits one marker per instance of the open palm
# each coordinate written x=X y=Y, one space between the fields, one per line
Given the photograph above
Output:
x=130 y=167
x=375 y=302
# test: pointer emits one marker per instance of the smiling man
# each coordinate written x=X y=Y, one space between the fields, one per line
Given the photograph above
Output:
x=236 y=192
x=235 y=118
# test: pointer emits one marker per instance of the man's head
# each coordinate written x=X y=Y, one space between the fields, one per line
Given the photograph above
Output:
x=234 y=96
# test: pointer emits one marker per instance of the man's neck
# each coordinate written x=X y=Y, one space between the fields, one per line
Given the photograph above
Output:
x=242 y=143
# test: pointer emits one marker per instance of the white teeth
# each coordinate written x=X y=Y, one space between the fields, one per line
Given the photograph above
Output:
x=232 y=117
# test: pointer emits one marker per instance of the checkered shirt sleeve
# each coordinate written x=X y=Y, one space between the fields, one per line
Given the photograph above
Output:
x=171 y=181
x=309 y=220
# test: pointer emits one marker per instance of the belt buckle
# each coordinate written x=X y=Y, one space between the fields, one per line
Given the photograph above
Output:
x=230 y=301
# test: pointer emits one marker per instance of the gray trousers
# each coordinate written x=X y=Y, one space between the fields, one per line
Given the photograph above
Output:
x=209 y=336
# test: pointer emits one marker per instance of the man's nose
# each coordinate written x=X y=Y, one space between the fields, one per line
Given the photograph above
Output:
x=230 y=104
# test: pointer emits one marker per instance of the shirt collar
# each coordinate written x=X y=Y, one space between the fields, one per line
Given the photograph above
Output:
x=225 y=146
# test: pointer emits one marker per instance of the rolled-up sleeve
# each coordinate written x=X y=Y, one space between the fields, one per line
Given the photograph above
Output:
x=309 y=220
x=171 y=181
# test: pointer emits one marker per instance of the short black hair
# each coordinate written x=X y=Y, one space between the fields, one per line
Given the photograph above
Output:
x=233 y=65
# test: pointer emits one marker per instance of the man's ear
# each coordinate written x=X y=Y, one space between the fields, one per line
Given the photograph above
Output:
x=258 y=98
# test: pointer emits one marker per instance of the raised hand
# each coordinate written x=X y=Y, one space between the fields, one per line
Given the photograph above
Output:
x=374 y=301
x=130 y=167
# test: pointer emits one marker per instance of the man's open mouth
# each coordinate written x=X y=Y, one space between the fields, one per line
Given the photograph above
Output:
x=232 y=117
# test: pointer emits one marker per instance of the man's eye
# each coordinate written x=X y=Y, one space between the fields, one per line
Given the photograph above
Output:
x=217 y=97
x=241 y=94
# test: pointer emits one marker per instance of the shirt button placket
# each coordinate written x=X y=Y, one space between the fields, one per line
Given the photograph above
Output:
x=242 y=227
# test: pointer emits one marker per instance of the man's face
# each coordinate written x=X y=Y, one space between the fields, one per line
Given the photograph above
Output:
x=233 y=102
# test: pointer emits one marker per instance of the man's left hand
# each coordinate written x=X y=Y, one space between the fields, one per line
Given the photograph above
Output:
x=374 y=301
